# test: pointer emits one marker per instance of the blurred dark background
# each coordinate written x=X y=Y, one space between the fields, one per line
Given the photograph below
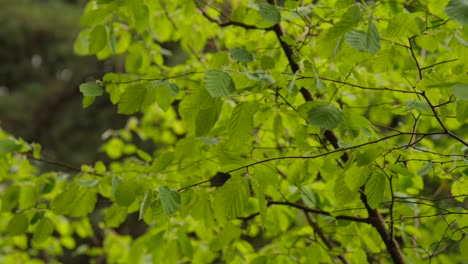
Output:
x=40 y=77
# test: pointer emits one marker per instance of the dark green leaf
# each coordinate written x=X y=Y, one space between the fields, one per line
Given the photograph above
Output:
x=43 y=231
x=458 y=11
x=18 y=225
x=218 y=83
x=325 y=117
x=241 y=54
x=269 y=13
x=170 y=200
x=219 y=179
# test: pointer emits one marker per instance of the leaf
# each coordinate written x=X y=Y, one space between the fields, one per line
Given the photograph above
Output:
x=462 y=110
x=88 y=100
x=8 y=145
x=173 y=88
x=460 y=90
x=240 y=126
x=163 y=97
x=218 y=83
x=325 y=117
x=95 y=16
x=145 y=204
x=241 y=54
x=464 y=248
x=18 y=224
x=125 y=192
x=162 y=162
x=374 y=189
x=269 y=13
x=207 y=117
x=458 y=11
x=10 y=198
x=367 y=155
x=229 y=200
x=115 y=215
x=97 y=39
x=421 y=106
x=43 y=231
x=364 y=41
x=342 y=193
x=136 y=98
x=426 y=168
x=91 y=89
x=170 y=200
x=76 y=201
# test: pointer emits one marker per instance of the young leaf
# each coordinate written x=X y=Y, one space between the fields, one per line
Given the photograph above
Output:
x=134 y=99
x=269 y=13
x=325 y=117
x=91 y=89
x=145 y=204
x=170 y=200
x=162 y=162
x=97 y=39
x=8 y=145
x=229 y=200
x=374 y=189
x=421 y=106
x=18 y=225
x=218 y=83
x=43 y=231
x=458 y=10
x=240 y=125
x=241 y=54
x=125 y=192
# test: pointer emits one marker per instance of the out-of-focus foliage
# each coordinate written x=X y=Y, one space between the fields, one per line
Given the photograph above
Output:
x=290 y=132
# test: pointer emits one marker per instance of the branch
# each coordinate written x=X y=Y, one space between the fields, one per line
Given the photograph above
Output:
x=154 y=79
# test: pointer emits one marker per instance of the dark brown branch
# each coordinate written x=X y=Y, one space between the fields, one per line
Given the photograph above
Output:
x=415 y=59
x=438 y=63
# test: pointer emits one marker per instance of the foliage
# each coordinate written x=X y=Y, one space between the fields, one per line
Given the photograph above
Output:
x=311 y=132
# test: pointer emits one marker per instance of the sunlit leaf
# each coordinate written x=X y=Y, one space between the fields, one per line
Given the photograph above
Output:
x=18 y=225
x=374 y=189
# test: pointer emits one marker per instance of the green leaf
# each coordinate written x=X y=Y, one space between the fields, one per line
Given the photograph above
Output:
x=367 y=155
x=426 y=168
x=325 y=117
x=375 y=188
x=8 y=145
x=97 y=39
x=464 y=248
x=145 y=204
x=162 y=162
x=10 y=198
x=342 y=193
x=37 y=217
x=170 y=200
x=115 y=215
x=240 y=126
x=229 y=200
x=137 y=97
x=458 y=11
x=88 y=100
x=163 y=97
x=126 y=192
x=18 y=224
x=365 y=41
x=241 y=54
x=173 y=88
x=76 y=201
x=91 y=89
x=421 y=106
x=269 y=13
x=88 y=182
x=462 y=110
x=207 y=117
x=95 y=16
x=218 y=83
x=43 y=231
x=460 y=90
